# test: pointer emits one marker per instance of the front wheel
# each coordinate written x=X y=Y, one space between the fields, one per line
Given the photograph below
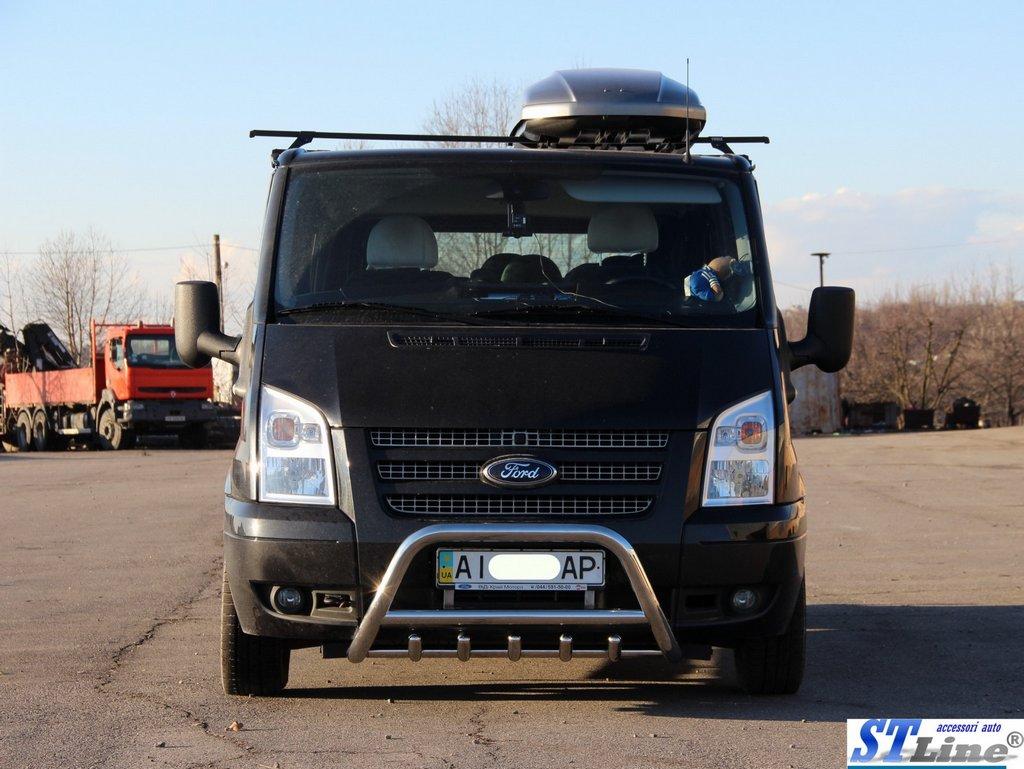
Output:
x=249 y=664
x=109 y=434
x=775 y=664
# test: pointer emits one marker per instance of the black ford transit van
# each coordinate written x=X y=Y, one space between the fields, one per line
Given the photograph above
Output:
x=519 y=400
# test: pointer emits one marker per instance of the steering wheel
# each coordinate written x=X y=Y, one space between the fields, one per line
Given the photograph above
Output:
x=660 y=282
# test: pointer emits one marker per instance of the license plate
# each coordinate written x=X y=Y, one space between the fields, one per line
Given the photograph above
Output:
x=520 y=569
x=174 y=418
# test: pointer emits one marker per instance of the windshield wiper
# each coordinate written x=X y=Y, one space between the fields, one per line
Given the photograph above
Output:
x=580 y=310
x=398 y=309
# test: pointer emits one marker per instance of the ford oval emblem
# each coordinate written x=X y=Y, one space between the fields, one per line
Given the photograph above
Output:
x=518 y=472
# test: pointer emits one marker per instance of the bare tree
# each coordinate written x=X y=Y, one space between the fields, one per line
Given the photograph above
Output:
x=925 y=347
x=238 y=279
x=78 y=278
x=478 y=108
x=483 y=108
x=909 y=348
x=11 y=297
x=996 y=346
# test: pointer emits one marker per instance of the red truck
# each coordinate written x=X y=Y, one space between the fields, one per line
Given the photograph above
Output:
x=136 y=384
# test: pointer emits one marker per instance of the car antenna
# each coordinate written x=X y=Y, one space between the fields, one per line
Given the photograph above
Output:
x=687 y=109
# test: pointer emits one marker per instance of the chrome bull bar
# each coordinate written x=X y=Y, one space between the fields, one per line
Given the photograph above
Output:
x=380 y=614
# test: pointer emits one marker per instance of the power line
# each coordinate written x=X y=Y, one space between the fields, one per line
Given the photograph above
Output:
x=930 y=247
x=792 y=285
x=136 y=250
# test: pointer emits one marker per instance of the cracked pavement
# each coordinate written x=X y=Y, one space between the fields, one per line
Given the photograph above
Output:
x=109 y=597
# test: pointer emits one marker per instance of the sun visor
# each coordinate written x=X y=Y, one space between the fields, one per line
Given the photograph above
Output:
x=640 y=190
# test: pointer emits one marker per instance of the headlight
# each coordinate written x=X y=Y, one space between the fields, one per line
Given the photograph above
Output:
x=741 y=456
x=294 y=451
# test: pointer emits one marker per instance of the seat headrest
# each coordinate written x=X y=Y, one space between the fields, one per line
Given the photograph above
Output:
x=492 y=267
x=401 y=241
x=530 y=268
x=623 y=230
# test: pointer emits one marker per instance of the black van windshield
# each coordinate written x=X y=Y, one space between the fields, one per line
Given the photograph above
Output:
x=604 y=246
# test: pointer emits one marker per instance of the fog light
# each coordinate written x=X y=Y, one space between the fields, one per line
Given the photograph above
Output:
x=289 y=600
x=744 y=599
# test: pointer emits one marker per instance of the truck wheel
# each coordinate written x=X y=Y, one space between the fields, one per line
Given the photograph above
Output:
x=775 y=665
x=109 y=435
x=42 y=438
x=249 y=664
x=23 y=432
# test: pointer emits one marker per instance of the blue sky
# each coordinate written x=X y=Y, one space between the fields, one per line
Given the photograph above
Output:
x=893 y=125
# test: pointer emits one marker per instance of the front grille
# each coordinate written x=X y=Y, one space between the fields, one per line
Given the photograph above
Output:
x=490 y=504
x=601 y=472
x=428 y=471
x=536 y=341
x=575 y=439
x=610 y=471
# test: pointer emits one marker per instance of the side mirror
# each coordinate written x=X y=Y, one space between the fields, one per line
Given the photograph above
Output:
x=197 y=333
x=829 y=339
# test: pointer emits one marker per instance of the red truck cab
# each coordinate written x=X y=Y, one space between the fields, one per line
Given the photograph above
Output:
x=147 y=388
x=141 y=363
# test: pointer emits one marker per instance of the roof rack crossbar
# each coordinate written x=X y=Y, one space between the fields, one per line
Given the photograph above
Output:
x=305 y=137
x=302 y=138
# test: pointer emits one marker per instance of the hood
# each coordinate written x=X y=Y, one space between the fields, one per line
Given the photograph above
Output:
x=507 y=378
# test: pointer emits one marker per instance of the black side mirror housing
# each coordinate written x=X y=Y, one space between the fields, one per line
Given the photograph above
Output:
x=829 y=339
x=197 y=333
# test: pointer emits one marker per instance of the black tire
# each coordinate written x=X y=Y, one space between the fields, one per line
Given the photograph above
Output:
x=23 y=432
x=109 y=434
x=249 y=664
x=42 y=437
x=775 y=665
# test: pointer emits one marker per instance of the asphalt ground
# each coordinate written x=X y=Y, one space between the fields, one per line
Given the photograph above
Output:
x=109 y=596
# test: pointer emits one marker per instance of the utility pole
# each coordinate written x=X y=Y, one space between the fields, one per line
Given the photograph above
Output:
x=822 y=256
x=218 y=278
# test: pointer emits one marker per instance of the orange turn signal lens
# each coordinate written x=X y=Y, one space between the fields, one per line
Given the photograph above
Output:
x=283 y=429
x=752 y=434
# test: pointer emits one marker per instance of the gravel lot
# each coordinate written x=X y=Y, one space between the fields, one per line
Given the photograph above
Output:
x=109 y=582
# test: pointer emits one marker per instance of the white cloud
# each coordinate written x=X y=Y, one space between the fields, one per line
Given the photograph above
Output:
x=913 y=236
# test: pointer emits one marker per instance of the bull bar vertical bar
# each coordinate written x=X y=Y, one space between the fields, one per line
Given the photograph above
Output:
x=379 y=613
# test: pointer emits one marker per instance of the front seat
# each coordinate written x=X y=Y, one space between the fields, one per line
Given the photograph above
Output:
x=531 y=268
x=401 y=251
x=625 y=231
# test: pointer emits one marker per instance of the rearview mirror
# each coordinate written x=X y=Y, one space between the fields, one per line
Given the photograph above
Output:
x=197 y=333
x=829 y=339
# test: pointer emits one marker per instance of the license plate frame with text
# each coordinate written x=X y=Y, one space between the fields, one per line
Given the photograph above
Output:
x=504 y=569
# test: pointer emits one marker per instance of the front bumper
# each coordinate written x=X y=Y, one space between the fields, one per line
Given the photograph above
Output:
x=762 y=548
x=165 y=415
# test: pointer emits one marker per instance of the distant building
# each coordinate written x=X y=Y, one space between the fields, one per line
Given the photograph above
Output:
x=817 y=408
